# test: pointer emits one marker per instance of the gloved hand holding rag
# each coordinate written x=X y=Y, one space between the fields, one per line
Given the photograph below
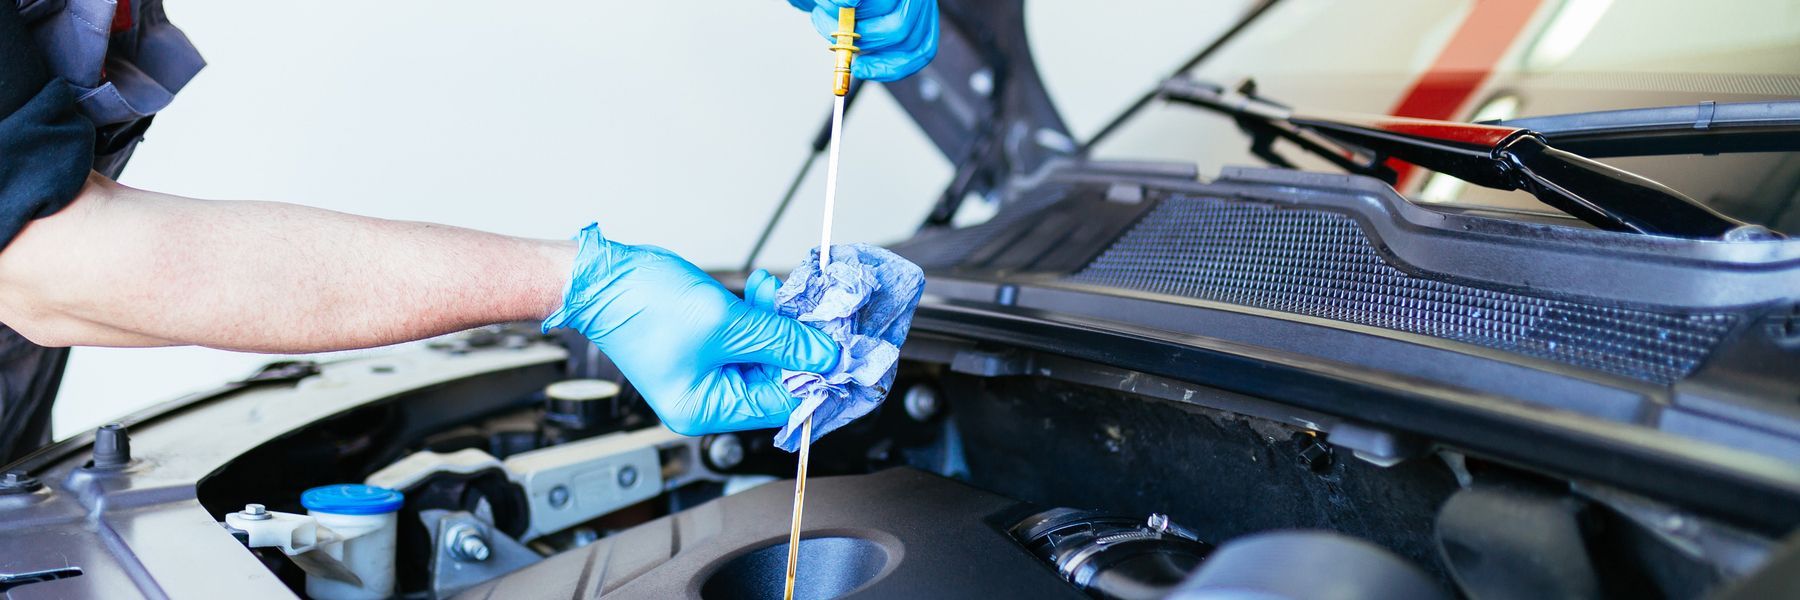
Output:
x=825 y=345
x=706 y=361
x=864 y=300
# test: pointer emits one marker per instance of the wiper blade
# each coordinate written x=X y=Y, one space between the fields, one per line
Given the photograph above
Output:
x=1704 y=128
x=1495 y=156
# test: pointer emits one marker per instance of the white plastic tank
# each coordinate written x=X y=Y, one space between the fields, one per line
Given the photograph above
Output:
x=365 y=519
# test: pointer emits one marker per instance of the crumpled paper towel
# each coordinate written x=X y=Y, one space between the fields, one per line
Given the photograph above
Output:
x=864 y=300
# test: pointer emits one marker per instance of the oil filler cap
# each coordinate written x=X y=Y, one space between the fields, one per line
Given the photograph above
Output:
x=352 y=499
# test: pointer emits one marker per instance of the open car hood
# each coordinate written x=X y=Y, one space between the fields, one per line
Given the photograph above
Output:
x=983 y=104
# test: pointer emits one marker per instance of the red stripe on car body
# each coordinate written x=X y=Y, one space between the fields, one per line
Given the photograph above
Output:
x=1463 y=66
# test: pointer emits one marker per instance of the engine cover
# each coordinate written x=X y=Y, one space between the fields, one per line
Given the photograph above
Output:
x=899 y=533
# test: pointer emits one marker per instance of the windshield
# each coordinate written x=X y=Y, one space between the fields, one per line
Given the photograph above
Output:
x=1499 y=59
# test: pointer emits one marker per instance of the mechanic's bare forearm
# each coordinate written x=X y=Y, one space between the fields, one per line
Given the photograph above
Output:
x=126 y=267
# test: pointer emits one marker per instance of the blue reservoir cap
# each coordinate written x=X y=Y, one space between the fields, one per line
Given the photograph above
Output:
x=352 y=499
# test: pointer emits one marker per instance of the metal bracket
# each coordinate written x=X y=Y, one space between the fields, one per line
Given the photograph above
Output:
x=568 y=484
x=466 y=552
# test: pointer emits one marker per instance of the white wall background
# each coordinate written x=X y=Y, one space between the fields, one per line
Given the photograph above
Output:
x=672 y=123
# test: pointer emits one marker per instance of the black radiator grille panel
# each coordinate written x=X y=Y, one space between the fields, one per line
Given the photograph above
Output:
x=1319 y=263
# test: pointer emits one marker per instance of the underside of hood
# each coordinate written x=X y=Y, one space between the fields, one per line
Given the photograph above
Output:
x=983 y=104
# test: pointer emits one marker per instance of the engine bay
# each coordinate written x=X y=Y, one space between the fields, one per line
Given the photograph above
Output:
x=969 y=481
x=587 y=491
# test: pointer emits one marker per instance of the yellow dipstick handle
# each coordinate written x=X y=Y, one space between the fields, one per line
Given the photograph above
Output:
x=846 y=50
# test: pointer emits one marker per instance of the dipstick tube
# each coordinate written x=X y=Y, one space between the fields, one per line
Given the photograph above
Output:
x=845 y=50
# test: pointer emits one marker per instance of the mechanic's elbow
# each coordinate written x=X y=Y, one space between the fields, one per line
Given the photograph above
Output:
x=47 y=331
x=25 y=310
x=34 y=319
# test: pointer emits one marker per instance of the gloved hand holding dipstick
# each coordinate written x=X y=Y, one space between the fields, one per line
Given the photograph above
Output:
x=897 y=37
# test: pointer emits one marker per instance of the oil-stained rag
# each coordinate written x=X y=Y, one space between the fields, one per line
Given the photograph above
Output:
x=864 y=300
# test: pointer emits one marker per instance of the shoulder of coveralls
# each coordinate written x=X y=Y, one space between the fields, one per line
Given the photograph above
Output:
x=46 y=146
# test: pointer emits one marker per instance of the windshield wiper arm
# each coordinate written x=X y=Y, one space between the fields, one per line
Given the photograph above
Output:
x=1266 y=121
x=1495 y=156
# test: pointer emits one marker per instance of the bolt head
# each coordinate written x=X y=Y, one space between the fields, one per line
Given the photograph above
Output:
x=982 y=82
x=18 y=482
x=474 y=548
x=725 y=451
x=930 y=89
x=465 y=542
x=559 y=496
x=628 y=476
x=921 y=402
x=255 y=512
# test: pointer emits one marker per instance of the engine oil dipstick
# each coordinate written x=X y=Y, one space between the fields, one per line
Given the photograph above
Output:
x=845 y=49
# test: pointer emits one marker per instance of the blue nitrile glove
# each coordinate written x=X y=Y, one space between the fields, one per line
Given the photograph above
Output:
x=706 y=361
x=898 y=36
x=759 y=291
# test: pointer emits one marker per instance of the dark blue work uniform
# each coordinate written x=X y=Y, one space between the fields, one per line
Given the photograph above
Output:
x=46 y=150
x=79 y=82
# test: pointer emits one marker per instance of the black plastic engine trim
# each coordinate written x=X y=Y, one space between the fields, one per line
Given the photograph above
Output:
x=1736 y=485
x=930 y=537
